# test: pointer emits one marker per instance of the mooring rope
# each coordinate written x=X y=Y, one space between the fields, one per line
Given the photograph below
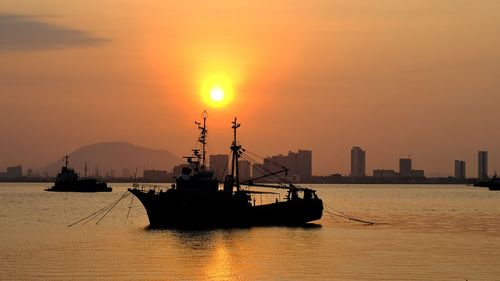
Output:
x=96 y=213
x=341 y=214
x=129 y=207
x=109 y=210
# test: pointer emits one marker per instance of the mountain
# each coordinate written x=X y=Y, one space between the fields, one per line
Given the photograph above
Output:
x=116 y=156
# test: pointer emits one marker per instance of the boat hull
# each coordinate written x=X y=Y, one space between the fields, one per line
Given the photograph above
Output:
x=495 y=187
x=200 y=209
x=80 y=186
x=493 y=184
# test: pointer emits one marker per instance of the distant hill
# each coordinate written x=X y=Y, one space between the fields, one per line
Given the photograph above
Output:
x=117 y=156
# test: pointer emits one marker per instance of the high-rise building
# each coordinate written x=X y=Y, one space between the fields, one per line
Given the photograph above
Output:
x=299 y=164
x=405 y=167
x=219 y=163
x=14 y=172
x=459 y=169
x=358 y=162
x=303 y=164
x=244 y=169
x=482 y=165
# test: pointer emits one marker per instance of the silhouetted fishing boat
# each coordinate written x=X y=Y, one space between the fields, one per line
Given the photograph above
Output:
x=492 y=184
x=196 y=200
x=68 y=181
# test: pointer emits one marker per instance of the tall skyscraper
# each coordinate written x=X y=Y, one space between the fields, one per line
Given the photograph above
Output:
x=459 y=169
x=405 y=167
x=219 y=163
x=482 y=165
x=357 y=162
x=303 y=164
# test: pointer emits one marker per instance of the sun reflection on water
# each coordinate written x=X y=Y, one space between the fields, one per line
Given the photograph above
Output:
x=219 y=266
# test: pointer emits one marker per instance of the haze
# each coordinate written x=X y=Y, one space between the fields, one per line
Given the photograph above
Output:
x=396 y=78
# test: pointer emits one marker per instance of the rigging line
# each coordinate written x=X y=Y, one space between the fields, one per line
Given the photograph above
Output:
x=255 y=154
x=271 y=178
x=96 y=212
x=249 y=158
x=226 y=169
x=277 y=178
x=266 y=170
x=109 y=210
x=261 y=157
x=208 y=151
x=263 y=167
x=256 y=162
x=129 y=208
x=265 y=173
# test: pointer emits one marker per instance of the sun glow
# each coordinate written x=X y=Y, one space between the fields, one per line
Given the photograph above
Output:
x=217 y=91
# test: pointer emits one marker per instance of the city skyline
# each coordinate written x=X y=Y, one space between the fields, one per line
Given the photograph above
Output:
x=299 y=165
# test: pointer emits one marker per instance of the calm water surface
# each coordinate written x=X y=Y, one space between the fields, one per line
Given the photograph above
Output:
x=423 y=233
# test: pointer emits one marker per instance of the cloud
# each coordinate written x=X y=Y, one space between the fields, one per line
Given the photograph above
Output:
x=23 y=33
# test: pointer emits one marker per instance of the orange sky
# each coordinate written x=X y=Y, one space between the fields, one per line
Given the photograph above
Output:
x=397 y=78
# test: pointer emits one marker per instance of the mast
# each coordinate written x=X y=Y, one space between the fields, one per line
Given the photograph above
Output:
x=204 y=136
x=235 y=148
x=203 y=140
x=66 y=161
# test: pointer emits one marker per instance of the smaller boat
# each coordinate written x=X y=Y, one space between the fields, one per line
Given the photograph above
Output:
x=493 y=184
x=68 y=181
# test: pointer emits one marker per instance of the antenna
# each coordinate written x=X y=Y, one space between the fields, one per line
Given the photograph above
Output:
x=66 y=161
x=235 y=148
x=203 y=138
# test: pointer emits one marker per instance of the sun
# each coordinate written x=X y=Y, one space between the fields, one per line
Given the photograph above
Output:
x=217 y=94
x=217 y=91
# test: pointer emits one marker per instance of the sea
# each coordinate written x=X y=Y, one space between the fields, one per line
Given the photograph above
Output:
x=420 y=232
